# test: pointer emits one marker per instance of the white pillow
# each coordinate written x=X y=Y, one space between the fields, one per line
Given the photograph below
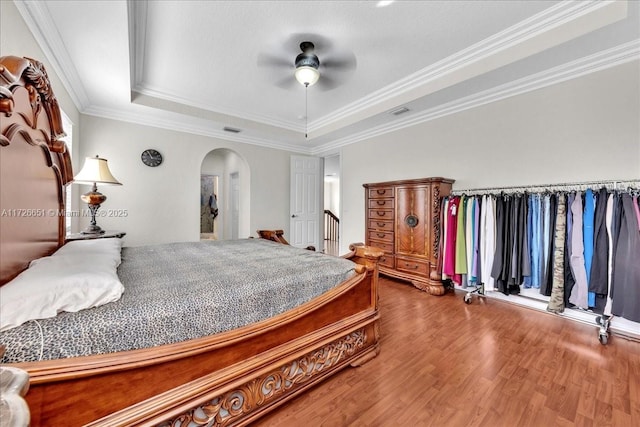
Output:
x=110 y=247
x=59 y=283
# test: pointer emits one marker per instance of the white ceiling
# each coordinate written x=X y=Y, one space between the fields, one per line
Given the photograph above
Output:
x=198 y=66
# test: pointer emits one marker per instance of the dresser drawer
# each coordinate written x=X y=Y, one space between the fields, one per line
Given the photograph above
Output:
x=413 y=266
x=375 y=214
x=385 y=246
x=381 y=203
x=380 y=193
x=387 y=260
x=386 y=236
x=377 y=224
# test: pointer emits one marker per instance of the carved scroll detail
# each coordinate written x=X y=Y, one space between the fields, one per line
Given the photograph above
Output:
x=36 y=82
x=229 y=407
x=435 y=216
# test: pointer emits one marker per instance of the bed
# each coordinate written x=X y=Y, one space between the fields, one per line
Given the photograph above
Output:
x=230 y=376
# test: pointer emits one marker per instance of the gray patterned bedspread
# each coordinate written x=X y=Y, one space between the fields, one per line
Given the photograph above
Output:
x=180 y=291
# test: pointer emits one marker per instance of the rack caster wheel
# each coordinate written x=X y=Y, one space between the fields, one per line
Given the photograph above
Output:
x=467 y=299
x=603 y=338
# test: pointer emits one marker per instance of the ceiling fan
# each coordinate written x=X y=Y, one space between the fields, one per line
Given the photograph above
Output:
x=316 y=62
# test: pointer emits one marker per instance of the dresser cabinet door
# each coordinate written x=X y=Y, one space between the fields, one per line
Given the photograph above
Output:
x=412 y=225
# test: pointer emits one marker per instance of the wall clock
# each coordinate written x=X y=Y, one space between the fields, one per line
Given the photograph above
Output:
x=151 y=158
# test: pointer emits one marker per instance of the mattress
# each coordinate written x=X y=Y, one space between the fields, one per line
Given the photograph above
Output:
x=181 y=291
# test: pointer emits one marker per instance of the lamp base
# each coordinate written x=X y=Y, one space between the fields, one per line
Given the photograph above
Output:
x=93 y=229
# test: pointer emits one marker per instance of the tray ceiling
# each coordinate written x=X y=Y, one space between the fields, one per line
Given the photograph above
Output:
x=201 y=66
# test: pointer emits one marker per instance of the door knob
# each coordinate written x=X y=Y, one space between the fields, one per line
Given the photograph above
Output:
x=294 y=216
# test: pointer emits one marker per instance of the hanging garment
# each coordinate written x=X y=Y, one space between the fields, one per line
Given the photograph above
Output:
x=569 y=280
x=520 y=265
x=556 y=302
x=451 y=233
x=441 y=241
x=598 y=278
x=626 y=277
x=488 y=242
x=468 y=235
x=475 y=243
x=479 y=237
x=579 y=294
x=529 y=200
x=536 y=240
x=544 y=257
x=525 y=263
x=547 y=283
x=587 y=236
x=461 y=247
x=501 y=269
x=609 y=224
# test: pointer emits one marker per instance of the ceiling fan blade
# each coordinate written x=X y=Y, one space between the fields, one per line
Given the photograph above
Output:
x=343 y=62
x=265 y=60
x=287 y=82
x=326 y=82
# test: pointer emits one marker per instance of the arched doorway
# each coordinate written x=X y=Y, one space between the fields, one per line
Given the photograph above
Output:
x=224 y=196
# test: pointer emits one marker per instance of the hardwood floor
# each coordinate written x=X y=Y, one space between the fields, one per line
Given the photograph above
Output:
x=490 y=363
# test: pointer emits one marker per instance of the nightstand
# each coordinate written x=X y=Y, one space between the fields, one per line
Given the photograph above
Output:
x=106 y=235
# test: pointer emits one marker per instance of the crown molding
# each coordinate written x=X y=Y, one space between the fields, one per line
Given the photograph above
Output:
x=609 y=58
x=37 y=17
x=182 y=126
x=486 y=50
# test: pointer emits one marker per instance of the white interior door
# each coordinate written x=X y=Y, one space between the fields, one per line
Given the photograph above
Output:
x=306 y=226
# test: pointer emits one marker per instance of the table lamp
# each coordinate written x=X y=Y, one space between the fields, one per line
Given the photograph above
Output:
x=94 y=171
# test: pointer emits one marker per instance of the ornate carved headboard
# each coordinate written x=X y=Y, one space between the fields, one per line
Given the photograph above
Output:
x=34 y=165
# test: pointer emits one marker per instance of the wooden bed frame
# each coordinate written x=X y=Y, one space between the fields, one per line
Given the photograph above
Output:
x=230 y=378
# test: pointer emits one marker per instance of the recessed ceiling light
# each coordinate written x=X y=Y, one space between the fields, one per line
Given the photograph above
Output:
x=383 y=3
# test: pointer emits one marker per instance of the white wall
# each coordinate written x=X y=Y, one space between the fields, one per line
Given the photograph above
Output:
x=163 y=203
x=581 y=130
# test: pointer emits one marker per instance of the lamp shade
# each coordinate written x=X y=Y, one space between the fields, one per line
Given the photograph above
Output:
x=95 y=170
x=306 y=75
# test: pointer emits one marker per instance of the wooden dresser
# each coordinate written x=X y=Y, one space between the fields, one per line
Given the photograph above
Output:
x=403 y=219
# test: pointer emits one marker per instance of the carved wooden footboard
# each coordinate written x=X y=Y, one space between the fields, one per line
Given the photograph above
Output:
x=229 y=378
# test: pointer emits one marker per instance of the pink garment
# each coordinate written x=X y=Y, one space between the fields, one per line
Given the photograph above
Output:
x=443 y=239
x=450 y=258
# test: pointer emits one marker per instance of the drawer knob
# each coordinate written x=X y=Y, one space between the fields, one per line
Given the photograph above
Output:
x=415 y=267
x=381 y=191
x=381 y=224
x=380 y=234
x=380 y=202
x=383 y=213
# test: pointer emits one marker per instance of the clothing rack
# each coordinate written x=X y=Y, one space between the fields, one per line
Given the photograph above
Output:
x=623 y=326
x=620 y=184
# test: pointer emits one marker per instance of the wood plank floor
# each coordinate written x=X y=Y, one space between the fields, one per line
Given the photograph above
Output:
x=490 y=363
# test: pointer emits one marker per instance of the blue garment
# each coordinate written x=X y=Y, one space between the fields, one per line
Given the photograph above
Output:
x=587 y=236
x=536 y=235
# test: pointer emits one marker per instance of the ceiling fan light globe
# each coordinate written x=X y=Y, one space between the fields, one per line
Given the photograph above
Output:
x=307 y=76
